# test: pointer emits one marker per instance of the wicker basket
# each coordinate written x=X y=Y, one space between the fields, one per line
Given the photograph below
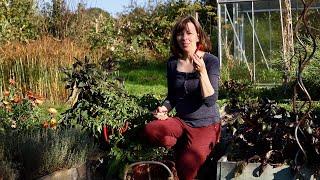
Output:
x=147 y=170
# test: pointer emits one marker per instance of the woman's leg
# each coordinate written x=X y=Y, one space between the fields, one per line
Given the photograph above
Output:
x=164 y=132
x=193 y=154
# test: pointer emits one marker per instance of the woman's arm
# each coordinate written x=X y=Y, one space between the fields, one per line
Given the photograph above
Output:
x=209 y=78
x=206 y=87
x=169 y=102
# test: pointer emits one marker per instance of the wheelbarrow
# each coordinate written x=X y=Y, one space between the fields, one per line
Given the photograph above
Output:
x=151 y=170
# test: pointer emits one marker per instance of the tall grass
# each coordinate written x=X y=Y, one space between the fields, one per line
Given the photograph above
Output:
x=35 y=65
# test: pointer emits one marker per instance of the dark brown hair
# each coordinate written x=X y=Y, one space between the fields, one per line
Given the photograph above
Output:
x=204 y=41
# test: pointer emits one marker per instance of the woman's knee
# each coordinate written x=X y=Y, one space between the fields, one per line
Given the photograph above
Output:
x=149 y=132
x=158 y=135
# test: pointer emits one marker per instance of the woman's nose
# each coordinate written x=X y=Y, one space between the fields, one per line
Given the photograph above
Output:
x=184 y=36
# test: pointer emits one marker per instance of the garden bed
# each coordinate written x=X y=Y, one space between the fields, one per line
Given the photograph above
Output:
x=80 y=173
x=229 y=170
x=237 y=170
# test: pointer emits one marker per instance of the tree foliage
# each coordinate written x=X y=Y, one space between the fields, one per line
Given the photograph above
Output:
x=17 y=20
x=144 y=30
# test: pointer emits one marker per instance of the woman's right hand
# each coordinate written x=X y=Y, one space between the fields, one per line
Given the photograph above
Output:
x=161 y=113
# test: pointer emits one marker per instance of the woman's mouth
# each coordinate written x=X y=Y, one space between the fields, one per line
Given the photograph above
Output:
x=185 y=44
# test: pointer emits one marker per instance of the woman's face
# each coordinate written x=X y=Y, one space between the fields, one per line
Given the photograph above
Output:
x=188 y=38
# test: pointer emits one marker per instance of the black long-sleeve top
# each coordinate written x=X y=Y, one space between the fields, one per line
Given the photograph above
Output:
x=184 y=93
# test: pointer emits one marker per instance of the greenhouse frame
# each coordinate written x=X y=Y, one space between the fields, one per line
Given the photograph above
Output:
x=235 y=12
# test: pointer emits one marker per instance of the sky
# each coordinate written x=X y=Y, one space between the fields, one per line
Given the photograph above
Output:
x=111 y=6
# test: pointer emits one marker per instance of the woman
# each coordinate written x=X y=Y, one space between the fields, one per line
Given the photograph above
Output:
x=192 y=79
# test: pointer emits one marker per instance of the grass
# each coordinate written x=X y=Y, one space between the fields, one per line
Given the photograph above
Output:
x=150 y=77
x=59 y=106
x=144 y=78
x=140 y=90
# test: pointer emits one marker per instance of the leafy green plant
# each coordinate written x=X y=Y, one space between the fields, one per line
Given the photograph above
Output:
x=102 y=107
x=21 y=113
x=235 y=93
x=262 y=131
x=132 y=147
x=98 y=97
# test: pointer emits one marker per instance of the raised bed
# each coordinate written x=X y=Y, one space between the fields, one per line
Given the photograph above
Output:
x=228 y=169
x=76 y=173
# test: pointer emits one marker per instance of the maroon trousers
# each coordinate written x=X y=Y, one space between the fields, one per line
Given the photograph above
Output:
x=192 y=145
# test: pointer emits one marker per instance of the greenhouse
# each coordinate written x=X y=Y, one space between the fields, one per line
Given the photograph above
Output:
x=237 y=29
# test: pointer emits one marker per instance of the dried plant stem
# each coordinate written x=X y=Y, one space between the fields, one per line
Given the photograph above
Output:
x=304 y=59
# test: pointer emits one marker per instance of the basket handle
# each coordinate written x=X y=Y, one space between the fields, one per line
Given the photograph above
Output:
x=149 y=162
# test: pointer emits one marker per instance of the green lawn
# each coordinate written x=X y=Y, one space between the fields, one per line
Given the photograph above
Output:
x=144 y=78
x=140 y=89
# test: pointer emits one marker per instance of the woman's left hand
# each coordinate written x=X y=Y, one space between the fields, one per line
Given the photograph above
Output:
x=198 y=63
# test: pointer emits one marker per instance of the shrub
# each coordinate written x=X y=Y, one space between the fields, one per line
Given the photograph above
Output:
x=264 y=132
x=8 y=170
x=101 y=103
x=43 y=151
x=282 y=92
x=233 y=89
x=18 y=20
x=21 y=113
x=97 y=97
